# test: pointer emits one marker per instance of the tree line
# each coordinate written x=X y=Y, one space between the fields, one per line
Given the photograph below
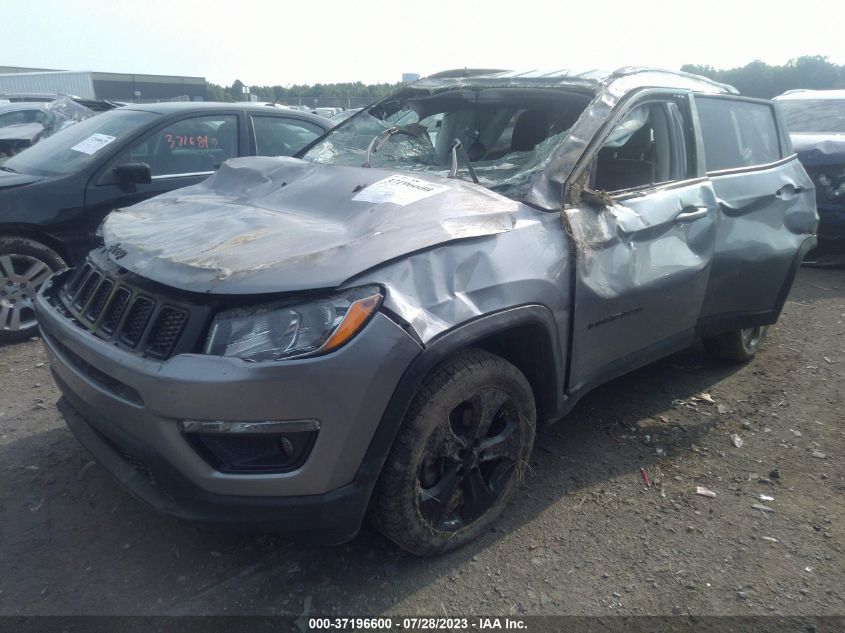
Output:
x=759 y=79
x=357 y=92
x=756 y=79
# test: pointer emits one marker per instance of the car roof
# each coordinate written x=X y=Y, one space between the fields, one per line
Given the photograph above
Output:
x=176 y=107
x=797 y=95
x=594 y=78
x=22 y=105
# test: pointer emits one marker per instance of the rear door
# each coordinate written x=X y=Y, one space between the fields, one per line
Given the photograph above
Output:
x=766 y=210
x=644 y=233
x=275 y=135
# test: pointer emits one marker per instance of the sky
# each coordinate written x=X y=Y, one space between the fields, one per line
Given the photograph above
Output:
x=277 y=42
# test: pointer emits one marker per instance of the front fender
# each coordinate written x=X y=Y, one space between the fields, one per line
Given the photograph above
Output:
x=447 y=344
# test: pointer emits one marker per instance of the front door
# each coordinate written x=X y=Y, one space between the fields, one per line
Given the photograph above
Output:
x=180 y=153
x=644 y=235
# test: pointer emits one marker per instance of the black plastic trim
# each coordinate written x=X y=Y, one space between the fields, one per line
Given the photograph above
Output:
x=330 y=518
x=439 y=349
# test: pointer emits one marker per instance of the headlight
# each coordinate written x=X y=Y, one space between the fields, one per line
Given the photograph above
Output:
x=277 y=331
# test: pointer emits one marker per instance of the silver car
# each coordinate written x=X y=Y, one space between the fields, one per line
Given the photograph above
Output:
x=380 y=324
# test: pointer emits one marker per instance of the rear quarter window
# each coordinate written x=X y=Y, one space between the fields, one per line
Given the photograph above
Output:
x=737 y=133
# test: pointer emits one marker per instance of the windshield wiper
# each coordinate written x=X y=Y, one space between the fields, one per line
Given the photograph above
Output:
x=453 y=170
x=374 y=145
x=414 y=130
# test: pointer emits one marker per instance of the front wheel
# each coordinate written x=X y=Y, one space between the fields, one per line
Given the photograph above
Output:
x=459 y=456
x=24 y=266
x=738 y=346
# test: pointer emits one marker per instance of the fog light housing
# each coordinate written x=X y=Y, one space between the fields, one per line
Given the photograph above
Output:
x=252 y=447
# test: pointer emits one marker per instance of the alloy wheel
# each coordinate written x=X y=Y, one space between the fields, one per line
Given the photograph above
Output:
x=751 y=338
x=469 y=460
x=20 y=278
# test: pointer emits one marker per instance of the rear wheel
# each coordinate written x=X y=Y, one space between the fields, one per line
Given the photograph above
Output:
x=459 y=456
x=24 y=266
x=738 y=346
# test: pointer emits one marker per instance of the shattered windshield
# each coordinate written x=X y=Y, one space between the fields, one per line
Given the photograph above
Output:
x=814 y=115
x=507 y=134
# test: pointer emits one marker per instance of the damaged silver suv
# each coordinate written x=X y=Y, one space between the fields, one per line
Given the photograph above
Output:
x=379 y=325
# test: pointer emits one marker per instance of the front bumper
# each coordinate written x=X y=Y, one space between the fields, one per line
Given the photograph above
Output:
x=125 y=409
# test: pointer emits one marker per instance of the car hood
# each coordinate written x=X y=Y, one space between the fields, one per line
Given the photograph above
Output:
x=281 y=224
x=820 y=149
x=11 y=179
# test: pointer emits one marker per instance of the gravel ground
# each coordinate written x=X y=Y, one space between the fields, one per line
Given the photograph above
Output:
x=586 y=536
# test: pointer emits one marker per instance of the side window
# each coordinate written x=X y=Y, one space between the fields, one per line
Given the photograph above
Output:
x=17 y=117
x=279 y=136
x=737 y=133
x=649 y=146
x=189 y=146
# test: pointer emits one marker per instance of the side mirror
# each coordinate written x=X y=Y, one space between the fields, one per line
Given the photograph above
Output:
x=134 y=173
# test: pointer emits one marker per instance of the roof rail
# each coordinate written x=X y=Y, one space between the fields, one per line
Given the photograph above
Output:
x=464 y=72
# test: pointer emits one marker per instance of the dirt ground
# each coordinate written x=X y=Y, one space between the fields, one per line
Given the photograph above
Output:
x=586 y=536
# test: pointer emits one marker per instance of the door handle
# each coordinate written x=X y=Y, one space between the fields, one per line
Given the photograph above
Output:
x=690 y=213
x=787 y=189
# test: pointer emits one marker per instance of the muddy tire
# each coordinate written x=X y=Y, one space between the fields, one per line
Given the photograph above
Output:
x=459 y=456
x=24 y=266
x=737 y=346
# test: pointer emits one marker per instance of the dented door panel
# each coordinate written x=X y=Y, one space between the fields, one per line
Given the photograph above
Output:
x=641 y=276
x=763 y=219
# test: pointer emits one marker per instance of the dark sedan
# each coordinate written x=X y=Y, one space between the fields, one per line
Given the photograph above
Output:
x=54 y=195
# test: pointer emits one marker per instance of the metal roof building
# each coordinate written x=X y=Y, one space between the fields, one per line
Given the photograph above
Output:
x=96 y=85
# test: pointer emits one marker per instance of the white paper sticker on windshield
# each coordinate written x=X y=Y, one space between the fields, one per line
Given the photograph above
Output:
x=399 y=189
x=93 y=143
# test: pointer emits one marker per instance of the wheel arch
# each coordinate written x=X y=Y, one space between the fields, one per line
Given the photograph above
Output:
x=526 y=336
x=36 y=234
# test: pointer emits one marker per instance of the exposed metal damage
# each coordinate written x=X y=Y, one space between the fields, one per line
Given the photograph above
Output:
x=276 y=225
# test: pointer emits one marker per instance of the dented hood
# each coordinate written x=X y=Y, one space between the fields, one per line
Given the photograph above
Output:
x=282 y=224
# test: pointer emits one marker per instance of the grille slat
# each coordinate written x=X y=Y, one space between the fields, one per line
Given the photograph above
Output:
x=130 y=312
x=166 y=331
x=114 y=312
x=98 y=302
x=136 y=321
x=87 y=289
x=75 y=281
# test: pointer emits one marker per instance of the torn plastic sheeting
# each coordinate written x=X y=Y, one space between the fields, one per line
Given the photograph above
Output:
x=281 y=224
x=64 y=112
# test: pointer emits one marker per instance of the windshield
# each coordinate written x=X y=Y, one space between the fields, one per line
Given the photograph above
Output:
x=508 y=134
x=75 y=147
x=814 y=115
